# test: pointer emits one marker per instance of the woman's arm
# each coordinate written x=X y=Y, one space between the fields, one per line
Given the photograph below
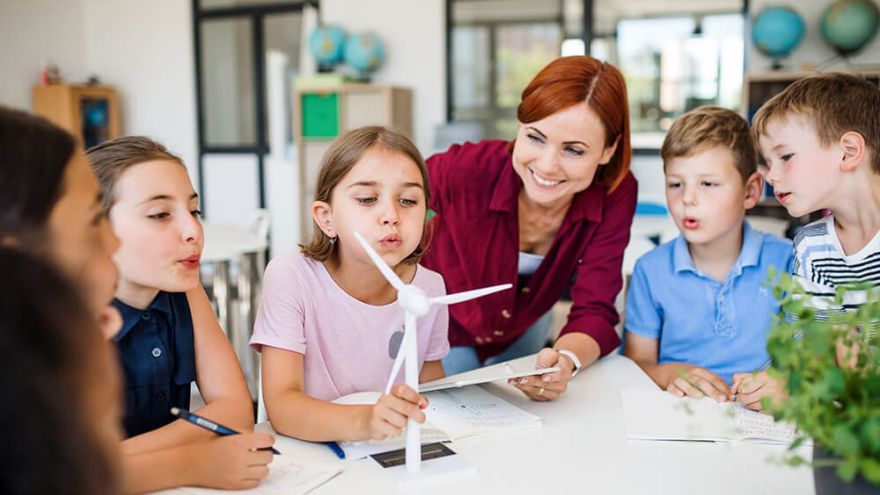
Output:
x=220 y=380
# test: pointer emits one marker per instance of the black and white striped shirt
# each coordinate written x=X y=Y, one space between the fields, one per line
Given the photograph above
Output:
x=820 y=266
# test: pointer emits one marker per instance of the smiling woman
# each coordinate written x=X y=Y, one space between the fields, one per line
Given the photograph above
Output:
x=560 y=192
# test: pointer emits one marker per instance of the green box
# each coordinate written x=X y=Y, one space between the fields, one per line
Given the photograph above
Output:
x=320 y=115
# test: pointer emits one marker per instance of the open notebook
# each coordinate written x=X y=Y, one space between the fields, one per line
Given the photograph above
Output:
x=287 y=476
x=452 y=414
x=658 y=415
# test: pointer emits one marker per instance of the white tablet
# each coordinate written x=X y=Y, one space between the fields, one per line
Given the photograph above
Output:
x=482 y=375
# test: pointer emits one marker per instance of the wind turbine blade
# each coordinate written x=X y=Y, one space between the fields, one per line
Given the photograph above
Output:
x=398 y=361
x=383 y=267
x=470 y=294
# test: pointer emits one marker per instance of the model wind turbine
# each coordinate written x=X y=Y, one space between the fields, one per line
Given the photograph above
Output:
x=415 y=303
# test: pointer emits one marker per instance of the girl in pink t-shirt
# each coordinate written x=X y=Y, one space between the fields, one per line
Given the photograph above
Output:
x=328 y=325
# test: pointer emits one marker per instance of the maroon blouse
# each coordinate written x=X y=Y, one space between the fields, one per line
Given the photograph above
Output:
x=475 y=243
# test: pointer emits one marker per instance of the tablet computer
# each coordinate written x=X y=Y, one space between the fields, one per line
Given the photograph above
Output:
x=482 y=375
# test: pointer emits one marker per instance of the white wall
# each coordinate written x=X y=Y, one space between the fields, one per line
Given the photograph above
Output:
x=32 y=33
x=413 y=32
x=145 y=49
x=813 y=49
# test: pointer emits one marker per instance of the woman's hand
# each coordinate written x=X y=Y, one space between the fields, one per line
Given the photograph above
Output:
x=551 y=385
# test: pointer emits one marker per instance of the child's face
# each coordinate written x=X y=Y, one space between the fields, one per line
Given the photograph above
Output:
x=801 y=170
x=156 y=218
x=81 y=241
x=557 y=157
x=706 y=196
x=383 y=198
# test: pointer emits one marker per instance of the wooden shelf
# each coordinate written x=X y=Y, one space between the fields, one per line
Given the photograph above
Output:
x=64 y=104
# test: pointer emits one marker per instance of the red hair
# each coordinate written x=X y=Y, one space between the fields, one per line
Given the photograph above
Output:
x=568 y=81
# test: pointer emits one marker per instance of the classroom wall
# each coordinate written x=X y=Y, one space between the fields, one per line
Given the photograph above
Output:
x=33 y=32
x=146 y=50
x=813 y=49
x=414 y=36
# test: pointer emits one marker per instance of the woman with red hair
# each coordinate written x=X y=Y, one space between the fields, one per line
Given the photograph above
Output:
x=549 y=211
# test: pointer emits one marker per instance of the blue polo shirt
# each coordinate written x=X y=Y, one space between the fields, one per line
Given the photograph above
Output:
x=157 y=352
x=720 y=326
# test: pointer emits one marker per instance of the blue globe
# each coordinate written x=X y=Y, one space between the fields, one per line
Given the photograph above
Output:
x=364 y=52
x=327 y=45
x=776 y=31
x=849 y=25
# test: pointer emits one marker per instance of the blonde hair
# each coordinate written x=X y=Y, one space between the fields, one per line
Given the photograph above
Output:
x=709 y=127
x=342 y=156
x=834 y=104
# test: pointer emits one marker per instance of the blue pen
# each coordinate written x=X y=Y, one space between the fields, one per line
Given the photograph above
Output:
x=209 y=425
x=336 y=449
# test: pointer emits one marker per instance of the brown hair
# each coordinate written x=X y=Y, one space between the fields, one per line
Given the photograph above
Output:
x=568 y=81
x=709 y=127
x=33 y=163
x=833 y=103
x=111 y=158
x=342 y=156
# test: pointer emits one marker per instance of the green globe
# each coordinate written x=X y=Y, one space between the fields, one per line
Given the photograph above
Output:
x=849 y=25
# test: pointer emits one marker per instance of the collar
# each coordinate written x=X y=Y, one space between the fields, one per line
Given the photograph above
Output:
x=586 y=204
x=749 y=254
x=131 y=316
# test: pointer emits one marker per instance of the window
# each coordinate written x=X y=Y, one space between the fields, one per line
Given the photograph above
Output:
x=675 y=64
x=232 y=38
x=496 y=48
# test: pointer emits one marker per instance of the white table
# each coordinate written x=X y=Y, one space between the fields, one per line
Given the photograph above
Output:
x=582 y=448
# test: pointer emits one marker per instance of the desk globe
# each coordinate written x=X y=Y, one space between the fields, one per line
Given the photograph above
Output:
x=327 y=45
x=365 y=53
x=848 y=25
x=776 y=31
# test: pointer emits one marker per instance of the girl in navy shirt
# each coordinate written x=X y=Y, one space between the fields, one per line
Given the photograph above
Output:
x=170 y=335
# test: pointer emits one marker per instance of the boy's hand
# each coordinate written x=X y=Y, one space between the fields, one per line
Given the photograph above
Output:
x=389 y=415
x=749 y=388
x=696 y=382
x=232 y=462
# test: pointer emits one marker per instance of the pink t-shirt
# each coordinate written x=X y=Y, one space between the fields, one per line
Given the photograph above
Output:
x=346 y=344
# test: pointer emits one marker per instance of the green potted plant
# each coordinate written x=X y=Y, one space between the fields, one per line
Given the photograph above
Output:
x=830 y=365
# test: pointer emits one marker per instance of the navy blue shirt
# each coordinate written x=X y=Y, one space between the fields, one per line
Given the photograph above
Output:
x=158 y=359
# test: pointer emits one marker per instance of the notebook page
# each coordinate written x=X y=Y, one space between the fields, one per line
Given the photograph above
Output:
x=471 y=411
x=752 y=425
x=658 y=415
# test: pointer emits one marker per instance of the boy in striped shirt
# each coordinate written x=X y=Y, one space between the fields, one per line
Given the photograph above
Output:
x=820 y=138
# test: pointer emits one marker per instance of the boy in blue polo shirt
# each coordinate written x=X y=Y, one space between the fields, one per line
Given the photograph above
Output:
x=697 y=311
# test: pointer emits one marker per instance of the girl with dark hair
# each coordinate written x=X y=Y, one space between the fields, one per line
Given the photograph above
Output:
x=50 y=206
x=552 y=206
x=60 y=413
